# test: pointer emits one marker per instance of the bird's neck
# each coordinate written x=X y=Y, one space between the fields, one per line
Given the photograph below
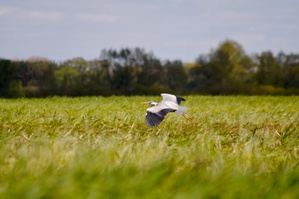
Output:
x=153 y=104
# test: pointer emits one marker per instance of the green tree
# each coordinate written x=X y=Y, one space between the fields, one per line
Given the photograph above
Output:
x=47 y=81
x=176 y=78
x=269 y=71
x=83 y=68
x=197 y=80
x=67 y=80
x=223 y=71
x=290 y=70
x=7 y=75
x=24 y=71
x=124 y=79
x=229 y=60
x=133 y=70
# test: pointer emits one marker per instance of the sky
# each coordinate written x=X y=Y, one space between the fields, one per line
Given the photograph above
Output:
x=171 y=29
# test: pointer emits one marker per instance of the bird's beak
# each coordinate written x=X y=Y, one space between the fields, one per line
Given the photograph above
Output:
x=144 y=102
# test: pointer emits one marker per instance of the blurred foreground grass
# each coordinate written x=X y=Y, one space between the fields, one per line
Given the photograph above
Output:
x=95 y=147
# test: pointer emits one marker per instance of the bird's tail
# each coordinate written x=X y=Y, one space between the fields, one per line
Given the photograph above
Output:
x=181 y=110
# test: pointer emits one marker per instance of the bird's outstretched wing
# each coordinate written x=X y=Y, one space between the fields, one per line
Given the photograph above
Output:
x=171 y=98
x=155 y=115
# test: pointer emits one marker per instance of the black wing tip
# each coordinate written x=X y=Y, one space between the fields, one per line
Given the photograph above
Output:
x=179 y=99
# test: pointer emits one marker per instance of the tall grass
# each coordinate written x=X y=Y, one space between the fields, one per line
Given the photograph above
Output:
x=95 y=147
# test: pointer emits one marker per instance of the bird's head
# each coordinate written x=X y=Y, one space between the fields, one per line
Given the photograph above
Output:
x=151 y=103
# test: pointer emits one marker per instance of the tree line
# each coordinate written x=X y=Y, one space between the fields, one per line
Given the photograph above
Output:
x=225 y=70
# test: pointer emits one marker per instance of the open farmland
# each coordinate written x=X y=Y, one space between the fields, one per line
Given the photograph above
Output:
x=96 y=147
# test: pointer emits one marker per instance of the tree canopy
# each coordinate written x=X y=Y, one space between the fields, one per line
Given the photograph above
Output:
x=227 y=69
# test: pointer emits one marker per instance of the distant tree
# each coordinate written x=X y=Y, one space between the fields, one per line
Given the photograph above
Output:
x=229 y=58
x=223 y=71
x=78 y=63
x=67 y=79
x=24 y=71
x=290 y=70
x=82 y=66
x=196 y=78
x=99 y=73
x=47 y=81
x=269 y=71
x=227 y=69
x=176 y=78
x=124 y=79
x=131 y=70
x=7 y=75
x=118 y=66
x=152 y=73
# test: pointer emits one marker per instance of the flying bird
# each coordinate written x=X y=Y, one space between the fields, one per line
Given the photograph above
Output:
x=157 y=111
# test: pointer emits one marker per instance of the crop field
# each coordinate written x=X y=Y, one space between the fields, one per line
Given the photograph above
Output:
x=100 y=147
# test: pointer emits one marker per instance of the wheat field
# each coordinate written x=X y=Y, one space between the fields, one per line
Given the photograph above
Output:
x=100 y=147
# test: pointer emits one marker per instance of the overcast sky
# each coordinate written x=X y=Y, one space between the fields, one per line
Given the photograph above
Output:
x=171 y=29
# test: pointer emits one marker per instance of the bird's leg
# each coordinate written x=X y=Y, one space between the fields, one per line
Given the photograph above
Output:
x=188 y=117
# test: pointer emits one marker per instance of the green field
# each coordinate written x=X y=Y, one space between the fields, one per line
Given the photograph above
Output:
x=96 y=147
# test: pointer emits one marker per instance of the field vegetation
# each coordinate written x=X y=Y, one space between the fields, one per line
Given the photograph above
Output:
x=100 y=147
